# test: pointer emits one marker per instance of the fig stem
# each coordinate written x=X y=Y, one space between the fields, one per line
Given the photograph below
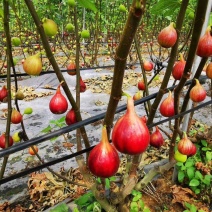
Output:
x=181 y=57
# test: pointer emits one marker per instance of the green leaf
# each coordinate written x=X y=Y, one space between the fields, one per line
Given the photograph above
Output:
x=62 y=119
x=86 y=199
x=181 y=176
x=179 y=164
x=197 y=191
x=133 y=206
x=193 y=208
x=207 y=180
x=76 y=210
x=107 y=183
x=141 y=203
x=136 y=198
x=194 y=182
x=208 y=155
x=189 y=164
x=146 y=209
x=205 y=149
x=89 y=208
x=47 y=129
x=88 y=5
x=190 y=172
x=204 y=143
x=198 y=175
x=60 y=208
x=113 y=178
x=187 y=205
x=135 y=192
x=166 y=7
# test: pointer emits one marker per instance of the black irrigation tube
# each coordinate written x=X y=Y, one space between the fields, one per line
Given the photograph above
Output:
x=59 y=160
x=40 y=139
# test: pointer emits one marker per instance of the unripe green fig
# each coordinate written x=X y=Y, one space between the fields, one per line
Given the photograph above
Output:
x=70 y=27
x=71 y=3
x=16 y=138
x=16 y=41
x=180 y=157
x=122 y=8
x=85 y=34
x=50 y=27
x=28 y=110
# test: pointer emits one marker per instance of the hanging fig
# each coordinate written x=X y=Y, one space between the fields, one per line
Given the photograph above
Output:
x=71 y=68
x=82 y=85
x=185 y=146
x=148 y=66
x=50 y=27
x=167 y=36
x=156 y=138
x=16 y=117
x=180 y=157
x=103 y=160
x=3 y=93
x=58 y=104
x=204 y=47
x=167 y=106
x=3 y=141
x=197 y=93
x=141 y=85
x=209 y=70
x=33 y=65
x=70 y=117
x=178 y=68
x=130 y=134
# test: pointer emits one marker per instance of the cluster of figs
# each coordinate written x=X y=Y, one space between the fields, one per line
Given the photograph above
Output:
x=130 y=134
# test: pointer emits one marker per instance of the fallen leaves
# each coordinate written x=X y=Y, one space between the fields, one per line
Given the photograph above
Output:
x=30 y=93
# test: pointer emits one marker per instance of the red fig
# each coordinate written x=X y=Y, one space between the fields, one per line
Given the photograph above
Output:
x=58 y=103
x=156 y=138
x=178 y=68
x=141 y=85
x=82 y=85
x=197 y=93
x=168 y=36
x=3 y=141
x=193 y=150
x=71 y=66
x=71 y=117
x=204 y=48
x=167 y=106
x=148 y=66
x=185 y=146
x=16 y=117
x=130 y=134
x=103 y=160
x=3 y=93
x=144 y=119
x=209 y=71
